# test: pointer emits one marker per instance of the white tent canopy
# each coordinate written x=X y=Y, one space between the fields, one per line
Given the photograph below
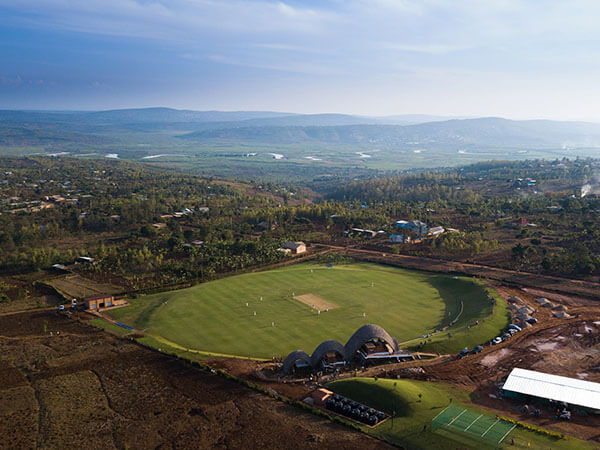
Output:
x=553 y=387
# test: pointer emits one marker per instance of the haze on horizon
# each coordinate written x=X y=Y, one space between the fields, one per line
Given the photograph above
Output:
x=509 y=58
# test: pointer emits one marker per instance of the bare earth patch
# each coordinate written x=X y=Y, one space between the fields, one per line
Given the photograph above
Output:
x=316 y=302
x=83 y=388
x=493 y=358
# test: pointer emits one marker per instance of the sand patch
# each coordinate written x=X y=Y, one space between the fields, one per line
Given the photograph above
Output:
x=546 y=346
x=494 y=358
x=316 y=302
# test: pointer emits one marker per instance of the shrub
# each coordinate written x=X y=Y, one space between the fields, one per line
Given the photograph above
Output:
x=538 y=430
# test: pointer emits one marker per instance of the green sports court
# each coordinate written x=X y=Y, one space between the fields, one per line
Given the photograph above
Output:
x=472 y=425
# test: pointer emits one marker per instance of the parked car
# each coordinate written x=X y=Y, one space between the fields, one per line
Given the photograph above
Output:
x=531 y=320
x=476 y=349
x=496 y=340
x=512 y=326
x=506 y=336
x=463 y=352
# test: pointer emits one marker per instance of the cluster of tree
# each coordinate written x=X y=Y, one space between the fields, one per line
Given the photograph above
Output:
x=113 y=211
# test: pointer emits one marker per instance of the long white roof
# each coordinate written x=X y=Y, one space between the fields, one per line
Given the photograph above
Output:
x=554 y=387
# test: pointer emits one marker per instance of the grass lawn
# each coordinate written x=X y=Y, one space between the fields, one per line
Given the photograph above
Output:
x=413 y=412
x=463 y=334
x=213 y=316
x=109 y=326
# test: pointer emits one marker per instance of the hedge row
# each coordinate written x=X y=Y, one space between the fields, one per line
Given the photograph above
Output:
x=538 y=430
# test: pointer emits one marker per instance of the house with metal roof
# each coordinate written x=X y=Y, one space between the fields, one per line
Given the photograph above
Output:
x=295 y=247
x=531 y=384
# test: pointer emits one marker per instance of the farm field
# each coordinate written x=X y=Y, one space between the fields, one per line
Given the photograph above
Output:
x=76 y=286
x=82 y=388
x=227 y=316
x=417 y=403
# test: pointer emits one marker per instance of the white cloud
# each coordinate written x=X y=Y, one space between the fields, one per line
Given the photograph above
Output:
x=379 y=53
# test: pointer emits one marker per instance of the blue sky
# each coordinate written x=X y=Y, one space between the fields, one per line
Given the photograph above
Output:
x=520 y=59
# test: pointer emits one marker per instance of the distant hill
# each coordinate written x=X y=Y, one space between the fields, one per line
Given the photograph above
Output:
x=488 y=132
x=218 y=119
x=48 y=128
x=137 y=115
x=169 y=115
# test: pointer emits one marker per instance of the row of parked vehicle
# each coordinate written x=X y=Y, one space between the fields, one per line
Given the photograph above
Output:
x=355 y=410
x=511 y=331
x=465 y=351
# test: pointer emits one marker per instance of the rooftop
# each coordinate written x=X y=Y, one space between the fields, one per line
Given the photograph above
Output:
x=293 y=244
x=554 y=387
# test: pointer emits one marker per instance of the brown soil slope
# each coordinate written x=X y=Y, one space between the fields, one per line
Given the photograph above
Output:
x=82 y=388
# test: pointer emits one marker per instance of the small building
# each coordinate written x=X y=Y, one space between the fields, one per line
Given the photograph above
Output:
x=86 y=259
x=98 y=302
x=436 y=231
x=295 y=247
x=364 y=232
x=266 y=226
x=527 y=384
x=416 y=226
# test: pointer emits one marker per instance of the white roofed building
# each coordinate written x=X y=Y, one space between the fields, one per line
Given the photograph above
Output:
x=573 y=392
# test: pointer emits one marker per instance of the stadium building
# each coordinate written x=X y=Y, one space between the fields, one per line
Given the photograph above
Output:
x=368 y=343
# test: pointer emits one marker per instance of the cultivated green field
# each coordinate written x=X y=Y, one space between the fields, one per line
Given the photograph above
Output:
x=213 y=317
x=416 y=403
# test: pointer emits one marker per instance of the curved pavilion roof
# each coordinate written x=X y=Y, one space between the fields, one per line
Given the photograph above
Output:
x=364 y=334
x=325 y=347
x=293 y=358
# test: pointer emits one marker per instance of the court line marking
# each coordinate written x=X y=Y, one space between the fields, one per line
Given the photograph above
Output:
x=476 y=419
x=513 y=427
x=491 y=426
x=463 y=411
x=440 y=413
